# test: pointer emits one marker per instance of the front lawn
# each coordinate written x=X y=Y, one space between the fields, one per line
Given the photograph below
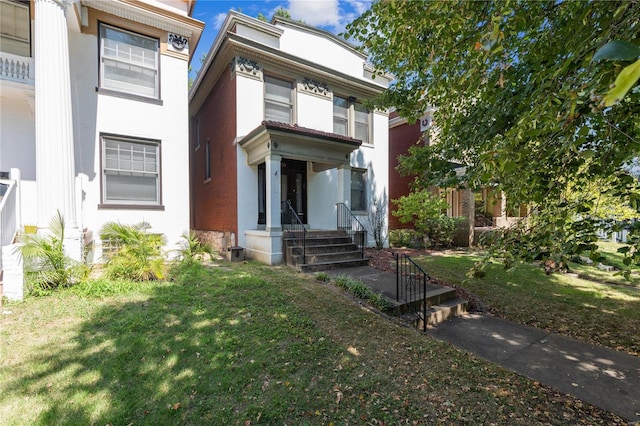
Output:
x=248 y=344
x=604 y=314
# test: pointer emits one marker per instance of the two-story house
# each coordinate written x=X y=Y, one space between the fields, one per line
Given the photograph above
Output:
x=278 y=119
x=94 y=116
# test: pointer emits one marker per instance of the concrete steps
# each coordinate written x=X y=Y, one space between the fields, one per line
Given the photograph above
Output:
x=325 y=250
x=442 y=304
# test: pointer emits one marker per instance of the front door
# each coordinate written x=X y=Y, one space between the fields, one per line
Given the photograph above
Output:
x=293 y=187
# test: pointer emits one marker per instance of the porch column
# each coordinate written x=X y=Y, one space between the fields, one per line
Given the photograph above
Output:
x=344 y=184
x=272 y=168
x=55 y=162
x=503 y=209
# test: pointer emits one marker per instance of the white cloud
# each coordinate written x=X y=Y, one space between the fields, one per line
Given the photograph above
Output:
x=316 y=12
x=218 y=20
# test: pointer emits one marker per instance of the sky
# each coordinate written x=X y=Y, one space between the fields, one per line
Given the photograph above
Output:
x=330 y=15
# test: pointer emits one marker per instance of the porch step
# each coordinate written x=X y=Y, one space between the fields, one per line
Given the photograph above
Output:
x=325 y=250
x=438 y=313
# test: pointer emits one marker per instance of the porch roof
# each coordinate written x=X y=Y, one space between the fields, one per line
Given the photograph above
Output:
x=325 y=150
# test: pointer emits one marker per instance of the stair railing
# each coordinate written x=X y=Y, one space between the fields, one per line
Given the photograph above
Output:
x=297 y=232
x=411 y=286
x=349 y=223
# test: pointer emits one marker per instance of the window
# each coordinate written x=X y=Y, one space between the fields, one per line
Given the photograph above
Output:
x=207 y=160
x=128 y=62
x=340 y=116
x=278 y=104
x=361 y=115
x=131 y=171
x=15 y=35
x=358 y=190
x=351 y=118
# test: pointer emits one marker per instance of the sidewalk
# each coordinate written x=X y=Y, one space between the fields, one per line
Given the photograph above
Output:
x=600 y=376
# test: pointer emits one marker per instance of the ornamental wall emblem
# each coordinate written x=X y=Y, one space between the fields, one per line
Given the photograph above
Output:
x=315 y=86
x=178 y=42
x=247 y=66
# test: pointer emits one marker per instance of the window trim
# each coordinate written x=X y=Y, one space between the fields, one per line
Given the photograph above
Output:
x=28 y=41
x=124 y=93
x=364 y=173
x=351 y=118
x=104 y=204
x=292 y=97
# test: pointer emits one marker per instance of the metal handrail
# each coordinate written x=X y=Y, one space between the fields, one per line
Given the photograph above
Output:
x=297 y=232
x=349 y=223
x=411 y=285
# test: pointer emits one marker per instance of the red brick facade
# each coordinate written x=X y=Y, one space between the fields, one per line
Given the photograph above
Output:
x=214 y=201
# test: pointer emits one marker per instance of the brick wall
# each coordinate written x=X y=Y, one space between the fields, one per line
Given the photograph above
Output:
x=214 y=202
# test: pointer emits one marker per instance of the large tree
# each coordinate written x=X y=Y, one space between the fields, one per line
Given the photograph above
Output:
x=521 y=102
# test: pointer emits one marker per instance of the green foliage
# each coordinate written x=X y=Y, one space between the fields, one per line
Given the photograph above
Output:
x=282 y=12
x=361 y=291
x=104 y=287
x=405 y=238
x=136 y=255
x=192 y=250
x=323 y=276
x=519 y=104
x=427 y=213
x=46 y=265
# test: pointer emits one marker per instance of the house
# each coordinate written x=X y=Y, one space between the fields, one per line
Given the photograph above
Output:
x=94 y=119
x=481 y=209
x=278 y=118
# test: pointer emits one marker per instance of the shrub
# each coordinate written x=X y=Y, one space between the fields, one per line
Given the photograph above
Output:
x=46 y=265
x=322 y=276
x=361 y=291
x=192 y=250
x=405 y=238
x=136 y=254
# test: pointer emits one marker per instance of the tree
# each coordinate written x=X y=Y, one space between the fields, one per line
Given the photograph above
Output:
x=521 y=103
x=282 y=12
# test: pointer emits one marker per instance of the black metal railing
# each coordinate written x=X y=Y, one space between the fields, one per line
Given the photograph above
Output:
x=295 y=230
x=352 y=226
x=411 y=286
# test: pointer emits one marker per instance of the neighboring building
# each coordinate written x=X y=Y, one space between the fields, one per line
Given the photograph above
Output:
x=480 y=209
x=277 y=114
x=94 y=115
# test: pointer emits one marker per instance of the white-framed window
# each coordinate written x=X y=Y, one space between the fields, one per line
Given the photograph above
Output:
x=131 y=171
x=358 y=189
x=15 y=32
x=278 y=100
x=129 y=62
x=351 y=118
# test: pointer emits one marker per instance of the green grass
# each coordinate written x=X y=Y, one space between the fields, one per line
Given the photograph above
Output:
x=604 y=314
x=247 y=344
x=609 y=251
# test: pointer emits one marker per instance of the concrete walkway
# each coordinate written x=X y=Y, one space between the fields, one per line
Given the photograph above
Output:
x=600 y=376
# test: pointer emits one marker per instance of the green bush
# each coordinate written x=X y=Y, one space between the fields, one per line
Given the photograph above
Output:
x=427 y=212
x=361 y=291
x=134 y=254
x=406 y=238
x=46 y=265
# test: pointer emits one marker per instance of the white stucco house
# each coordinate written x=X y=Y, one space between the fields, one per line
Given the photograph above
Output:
x=278 y=116
x=94 y=117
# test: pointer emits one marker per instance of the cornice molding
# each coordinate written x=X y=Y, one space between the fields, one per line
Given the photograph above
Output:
x=144 y=14
x=246 y=67
x=314 y=87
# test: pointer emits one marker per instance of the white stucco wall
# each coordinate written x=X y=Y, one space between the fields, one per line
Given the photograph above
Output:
x=168 y=123
x=314 y=112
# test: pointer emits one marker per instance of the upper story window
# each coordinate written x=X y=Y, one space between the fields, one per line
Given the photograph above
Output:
x=131 y=171
x=128 y=62
x=278 y=100
x=15 y=34
x=351 y=118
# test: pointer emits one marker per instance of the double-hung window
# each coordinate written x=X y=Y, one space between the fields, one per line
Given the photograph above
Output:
x=128 y=62
x=351 y=118
x=358 y=189
x=131 y=171
x=14 y=27
x=278 y=100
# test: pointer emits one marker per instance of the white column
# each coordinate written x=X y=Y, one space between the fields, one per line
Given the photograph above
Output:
x=273 y=172
x=55 y=167
x=344 y=184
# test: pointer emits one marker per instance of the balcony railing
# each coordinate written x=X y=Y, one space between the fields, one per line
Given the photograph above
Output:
x=16 y=68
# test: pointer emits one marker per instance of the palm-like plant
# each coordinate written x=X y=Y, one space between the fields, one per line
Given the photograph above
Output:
x=138 y=253
x=46 y=265
x=192 y=250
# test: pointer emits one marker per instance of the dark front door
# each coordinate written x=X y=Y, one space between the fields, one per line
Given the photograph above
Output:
x=294 y=185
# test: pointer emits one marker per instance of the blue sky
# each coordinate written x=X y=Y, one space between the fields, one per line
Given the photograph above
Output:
x=330 y=15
